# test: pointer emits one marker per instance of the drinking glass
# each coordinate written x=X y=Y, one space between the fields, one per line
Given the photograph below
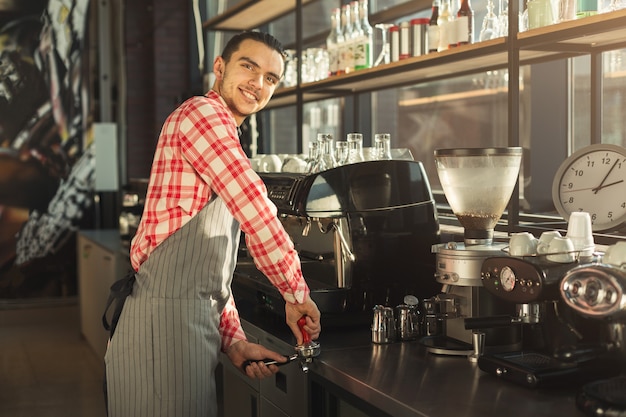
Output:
x=355 y=147
x=385 y=53
x=341 y=152
x=291 y=68
x=382 y=144
x=490 y=28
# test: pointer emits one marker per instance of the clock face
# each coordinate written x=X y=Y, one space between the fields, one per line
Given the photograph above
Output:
x=593 y=180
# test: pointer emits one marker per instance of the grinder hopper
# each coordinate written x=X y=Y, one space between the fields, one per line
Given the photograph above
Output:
x=478 y=183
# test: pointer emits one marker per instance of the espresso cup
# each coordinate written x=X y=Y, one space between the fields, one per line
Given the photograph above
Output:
x=561 y=250
x=543 y=246
x=616 y=255
x=522 y=244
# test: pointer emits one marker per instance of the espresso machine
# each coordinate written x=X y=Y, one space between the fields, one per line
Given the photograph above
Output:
x=478 y=183
x=598 y=291
x=559 y=347
x=364 y=233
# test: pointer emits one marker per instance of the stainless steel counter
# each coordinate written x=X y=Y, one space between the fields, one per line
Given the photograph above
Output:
x=401 y=379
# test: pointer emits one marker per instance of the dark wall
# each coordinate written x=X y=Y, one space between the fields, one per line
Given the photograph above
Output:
x=157 y=68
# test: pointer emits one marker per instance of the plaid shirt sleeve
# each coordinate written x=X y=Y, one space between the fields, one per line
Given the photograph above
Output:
x=230 y=325
x=210 y=145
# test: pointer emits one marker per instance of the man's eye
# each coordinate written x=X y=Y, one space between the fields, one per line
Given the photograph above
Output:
x=272 y=80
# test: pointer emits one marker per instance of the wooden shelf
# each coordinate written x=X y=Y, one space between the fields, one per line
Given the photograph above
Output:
x=592 y=34
x=455 y=62
x=251 y=14
x=564 y=40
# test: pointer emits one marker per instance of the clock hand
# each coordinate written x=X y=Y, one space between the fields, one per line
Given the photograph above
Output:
x=607 y=185
x=599 y=187
x=594 y=189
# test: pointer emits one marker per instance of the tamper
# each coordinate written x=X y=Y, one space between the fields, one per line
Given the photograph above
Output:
x=309 y=349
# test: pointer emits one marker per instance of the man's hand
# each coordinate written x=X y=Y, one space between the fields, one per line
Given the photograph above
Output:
x=243 y=351
x=308 y=309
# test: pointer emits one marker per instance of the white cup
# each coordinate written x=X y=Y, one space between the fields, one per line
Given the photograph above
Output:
x=616 y=255
x=579 y=231
x=544 y=241
x=270 y=163
x=522 y=244
x=561 y=250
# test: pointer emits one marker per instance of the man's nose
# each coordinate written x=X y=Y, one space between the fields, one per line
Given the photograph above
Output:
x=257 y=80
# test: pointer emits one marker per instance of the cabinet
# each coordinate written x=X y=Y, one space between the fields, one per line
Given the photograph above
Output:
x=100 y=263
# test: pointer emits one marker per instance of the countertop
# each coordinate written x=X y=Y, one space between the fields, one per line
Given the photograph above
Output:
x=402 y=379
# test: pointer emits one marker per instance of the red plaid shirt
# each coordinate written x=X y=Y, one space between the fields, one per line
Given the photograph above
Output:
x=198 y=153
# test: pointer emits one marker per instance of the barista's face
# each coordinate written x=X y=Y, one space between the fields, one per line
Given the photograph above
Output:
x=247 y=81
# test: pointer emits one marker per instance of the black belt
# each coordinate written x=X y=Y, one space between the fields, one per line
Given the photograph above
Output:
x=120 y=289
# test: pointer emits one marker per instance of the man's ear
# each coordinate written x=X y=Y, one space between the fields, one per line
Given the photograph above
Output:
x=218 y=67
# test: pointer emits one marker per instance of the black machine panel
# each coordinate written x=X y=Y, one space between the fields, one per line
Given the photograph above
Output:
x=523 y=280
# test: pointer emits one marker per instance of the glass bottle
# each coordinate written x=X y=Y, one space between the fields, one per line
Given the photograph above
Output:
x=433 y=29
x=334 y=40
x=445 y=23
x=312 y=158
x=357 y=33
x=326 y=151
x=364 y=50
x=465 y=23
x=346 y=50
x=355 y=148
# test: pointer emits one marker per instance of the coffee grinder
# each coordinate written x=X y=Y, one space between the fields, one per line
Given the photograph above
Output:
x=478 y=183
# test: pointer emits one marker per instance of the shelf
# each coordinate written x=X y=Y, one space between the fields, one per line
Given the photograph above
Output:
x=597 y=33
x=467 y=59
x=251 y=14
x=564 y=40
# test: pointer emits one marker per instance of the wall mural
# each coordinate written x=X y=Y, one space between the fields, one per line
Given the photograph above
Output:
x=46 y=156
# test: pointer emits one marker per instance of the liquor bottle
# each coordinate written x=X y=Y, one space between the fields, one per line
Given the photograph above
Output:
x=446 y=26
x=334 y=40
x=433 y=29
x=345 y=50
x=364 y=53
x=357 y=32
x=465 y=23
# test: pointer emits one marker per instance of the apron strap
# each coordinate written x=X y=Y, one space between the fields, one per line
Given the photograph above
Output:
x=120 y=289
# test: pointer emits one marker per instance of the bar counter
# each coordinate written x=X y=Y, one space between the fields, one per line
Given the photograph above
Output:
x=402 y=379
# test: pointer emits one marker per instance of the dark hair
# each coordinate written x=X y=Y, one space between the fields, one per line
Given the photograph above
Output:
x=266 y=38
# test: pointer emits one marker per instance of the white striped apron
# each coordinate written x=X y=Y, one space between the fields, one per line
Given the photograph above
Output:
x=162 y=357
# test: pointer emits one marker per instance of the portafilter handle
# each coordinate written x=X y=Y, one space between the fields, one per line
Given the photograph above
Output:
x=306 y=337
x=308 y=349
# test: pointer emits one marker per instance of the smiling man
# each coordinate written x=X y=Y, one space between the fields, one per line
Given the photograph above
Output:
x=201 y=194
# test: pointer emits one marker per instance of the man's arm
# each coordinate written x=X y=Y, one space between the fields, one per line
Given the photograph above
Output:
x=239 y=350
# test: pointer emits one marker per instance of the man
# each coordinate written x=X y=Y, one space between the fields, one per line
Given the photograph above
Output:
x=202 y=192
